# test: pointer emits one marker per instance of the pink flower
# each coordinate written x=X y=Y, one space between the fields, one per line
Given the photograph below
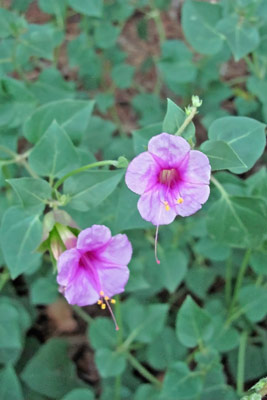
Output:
x=96 y=268
x=171 y=178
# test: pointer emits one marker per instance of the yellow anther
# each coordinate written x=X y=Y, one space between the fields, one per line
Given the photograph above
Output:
x=113 y=301
x=167 y=207
x=106 y=298
x=103 y=306
x=180 y=200
x=99 y=302
x=101 y=293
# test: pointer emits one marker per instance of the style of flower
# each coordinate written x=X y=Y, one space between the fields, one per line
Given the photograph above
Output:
x=96 y=268
x=171 y=178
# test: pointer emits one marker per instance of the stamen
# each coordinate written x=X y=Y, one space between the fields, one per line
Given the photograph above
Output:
x=156 y=245
x=103 y=306
x=180 y=200
x=99 y=302
x=106 y=298
x=167 y=206
x=112 y=315
x=113 y=301
x=101 y=293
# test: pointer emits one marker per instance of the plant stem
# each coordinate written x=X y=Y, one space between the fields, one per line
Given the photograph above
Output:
x=143 y=371
x=84 y=168
x=4 y=276
x=86 y=317
x=241 y=363
x=239 y=279
x=187 y=121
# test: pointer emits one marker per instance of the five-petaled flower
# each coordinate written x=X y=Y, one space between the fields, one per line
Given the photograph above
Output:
x=171 y=178
x=96 y=268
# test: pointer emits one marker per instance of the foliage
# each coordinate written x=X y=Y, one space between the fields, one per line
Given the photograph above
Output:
x=196 y=322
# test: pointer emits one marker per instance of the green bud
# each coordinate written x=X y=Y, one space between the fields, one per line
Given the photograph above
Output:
x=122 y=162
x=196 y=101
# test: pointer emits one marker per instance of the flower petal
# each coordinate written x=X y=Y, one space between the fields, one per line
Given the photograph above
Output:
x=93 y=238
x=196 y=169
x=193 y=197
x=118 y=251
x=151 y=207
x=81 y=290
x=169 y=148
x=141 y=173
x=67 y=264
x=113 y=278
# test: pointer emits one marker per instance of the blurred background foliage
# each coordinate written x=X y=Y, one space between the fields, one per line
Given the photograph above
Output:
x=87 y=80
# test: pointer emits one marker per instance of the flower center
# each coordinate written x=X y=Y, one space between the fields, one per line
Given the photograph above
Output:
x=168 y=176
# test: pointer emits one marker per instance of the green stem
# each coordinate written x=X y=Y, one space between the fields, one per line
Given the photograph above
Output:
x=25 y=164
x=143 y=371
x=84 y=168
x=239 y=279
x=8 y=151
x=228 y=281
x=187 y=121
x=86 y=317
x=241 y=363
x=4 y=276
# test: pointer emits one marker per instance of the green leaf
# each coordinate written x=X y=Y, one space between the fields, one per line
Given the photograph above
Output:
x=106 y=35
x=253 y=300
x=50 y=371
x=147 y=392
x=44 y=290
x=79 y=394
x=193 y=324
x=176 y=63
x=198 y=21
x=149 y=107
x=241 y=36
x=127 y=215
x=50 y=86
x=10 y=387
x=72 y=115
x=164 y=350
x=142 y=136
x=173 y=266
x=258 y=262
x=54 y=155
x=88 y=189
x=237 y=221
x=180 y=380
x=87 y=7
x=221 y=155
x=144 y=322
x=17 y=103
x=39 y=40
x=122 y=75
x=54 y=7
x=99 y=134
x=11 y=343
x=33 y=193
x=173 y=120
x=244 y=135
x=20 y=235
x=224 y=338
x=10 y=23
x=199 y=279
x=102 y=334
x=110 y=363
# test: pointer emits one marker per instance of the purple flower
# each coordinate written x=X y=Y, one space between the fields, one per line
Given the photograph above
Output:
x=171 y=178
x=96 y=268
